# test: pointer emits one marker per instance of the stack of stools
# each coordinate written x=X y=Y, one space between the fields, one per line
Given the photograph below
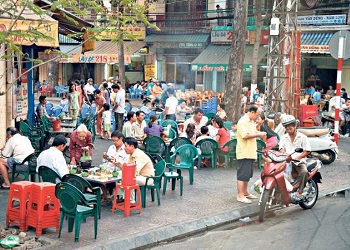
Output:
x=17 y=204
x=128 y=185
x=43 y=207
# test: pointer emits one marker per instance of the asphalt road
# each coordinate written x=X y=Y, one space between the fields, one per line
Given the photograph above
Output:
x=326 y=226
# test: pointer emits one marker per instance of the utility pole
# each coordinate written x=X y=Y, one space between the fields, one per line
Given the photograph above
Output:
x=283 y=60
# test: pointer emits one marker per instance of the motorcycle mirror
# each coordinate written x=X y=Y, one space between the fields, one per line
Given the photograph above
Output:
x=299 y=150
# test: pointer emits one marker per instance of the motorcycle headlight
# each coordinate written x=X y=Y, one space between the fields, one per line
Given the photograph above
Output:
x=276 y=156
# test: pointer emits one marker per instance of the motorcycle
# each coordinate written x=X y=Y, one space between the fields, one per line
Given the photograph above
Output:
x=274 y=190
x=328 y=121
x=322 y=145
x=321 y=141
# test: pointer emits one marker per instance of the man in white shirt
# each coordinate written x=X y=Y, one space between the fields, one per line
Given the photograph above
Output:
x=53 y=157
x=89 y=89
x=182 y=110
x=170 y=105
x=16 y=149
x=119 y=106
x=116 y=152
x=127 y=128
x=197 y=119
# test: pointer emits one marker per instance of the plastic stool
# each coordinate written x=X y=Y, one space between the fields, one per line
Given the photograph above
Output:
x=43 y=208
x=173 y=176
x=17 y=204
x=126 y=205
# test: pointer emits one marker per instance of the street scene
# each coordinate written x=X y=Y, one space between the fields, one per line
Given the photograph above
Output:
x=146 y=124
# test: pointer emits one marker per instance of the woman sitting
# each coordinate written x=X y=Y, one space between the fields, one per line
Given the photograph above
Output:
x=190 y=133
x=153 y=129
x=221 y=111
x=222 y=137
x=263 y=125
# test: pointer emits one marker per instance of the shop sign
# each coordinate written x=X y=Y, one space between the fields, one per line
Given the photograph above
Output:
x=110 y=33
x=321 y=49
x=217 y=67
x=49 y=28
x=225 y=35
x=21 y=98
x=322 y=20
x=150 y=71
x=102 y=58
x=189 y=45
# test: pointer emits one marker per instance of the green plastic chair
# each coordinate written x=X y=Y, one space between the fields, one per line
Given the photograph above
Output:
x=173 y=124
x=230 y=155
x=173 y=176
x=36 y=136
x=228 y=125
x=172 y=134
x=155 y=157
x=177 y=142
x=84 y=186
x=183 y=158
x=159 y=168
x=154 y=145
x=207 y=148
x=260 y=146
x=210 y=115
x=74 y=206
x=31 y=161
x=46 y=174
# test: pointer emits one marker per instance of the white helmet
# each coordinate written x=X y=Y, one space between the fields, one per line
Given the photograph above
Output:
x=288 y=119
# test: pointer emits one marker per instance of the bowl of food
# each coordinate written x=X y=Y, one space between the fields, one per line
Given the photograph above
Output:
x=84 y=174
x=115 y=174
x=73 y=171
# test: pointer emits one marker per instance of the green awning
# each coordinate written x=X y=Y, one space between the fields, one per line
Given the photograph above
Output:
x=216 y=58
x=188 y=41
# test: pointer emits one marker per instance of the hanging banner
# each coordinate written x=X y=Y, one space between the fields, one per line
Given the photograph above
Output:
x=49 y=28
x=21 y=97
x=98 y=58
x=150 y=71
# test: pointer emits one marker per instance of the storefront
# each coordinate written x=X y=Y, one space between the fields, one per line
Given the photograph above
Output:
x=174 y=54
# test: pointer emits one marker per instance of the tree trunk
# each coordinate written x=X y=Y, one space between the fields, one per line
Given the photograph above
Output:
x=233 y=87
x=121 y=63
x=254 y=76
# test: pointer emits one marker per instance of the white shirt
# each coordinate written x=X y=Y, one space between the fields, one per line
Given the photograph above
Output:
x=139 y=129
x=128 y=131
x=106 y=115
x=120 y=99
x=18 y=147
x=289 y=147
x=118 y=154
x=171 y=103
x=202 y=123
x=89 y=88
x=213 y=131
x=53 y=158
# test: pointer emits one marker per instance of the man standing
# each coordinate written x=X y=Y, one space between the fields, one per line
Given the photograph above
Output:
x=170 y=105
x=288 y=143
x=246 y=152
x=53 y=157
x=119 y=106
x=16 y=149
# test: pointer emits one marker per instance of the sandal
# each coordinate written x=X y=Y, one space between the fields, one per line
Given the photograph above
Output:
x=5 y=188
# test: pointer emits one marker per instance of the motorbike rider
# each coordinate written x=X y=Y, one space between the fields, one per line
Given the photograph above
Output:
x=288 y=143
x=345 y=115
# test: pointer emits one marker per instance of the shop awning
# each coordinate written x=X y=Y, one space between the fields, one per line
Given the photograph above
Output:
x=105 y=52
x=216 y=58
x=186 y=41
x=315 y=42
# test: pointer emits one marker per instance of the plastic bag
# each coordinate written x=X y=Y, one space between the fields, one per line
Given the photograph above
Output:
x=9 y=242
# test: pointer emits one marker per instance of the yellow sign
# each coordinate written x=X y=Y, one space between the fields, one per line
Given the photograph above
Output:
x=49 y=28
x=150 y=71
x=138 y=32
x=98 y=58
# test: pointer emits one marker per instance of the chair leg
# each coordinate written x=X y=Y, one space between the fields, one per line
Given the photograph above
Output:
x=173 y=183
x=77 y=227
x=181 y=184
x=70 y=224
x=152 y=194
x=95 y=223
x=158 y=196
x=143 y=196
x=61 y=223
x=190 y=171
x=199 y=162
x=165 y=184
x=226 y=161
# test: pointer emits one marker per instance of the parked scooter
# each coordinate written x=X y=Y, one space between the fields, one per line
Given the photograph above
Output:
x=321 y=141
x=274 y=190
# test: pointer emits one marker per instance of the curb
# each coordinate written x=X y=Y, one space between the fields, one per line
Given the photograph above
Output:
x=177 y=231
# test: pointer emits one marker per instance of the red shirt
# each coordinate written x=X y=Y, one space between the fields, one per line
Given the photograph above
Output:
x=224 y=138
x=75 y=145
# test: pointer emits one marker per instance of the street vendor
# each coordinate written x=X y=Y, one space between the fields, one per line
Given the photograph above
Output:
x=80 y=140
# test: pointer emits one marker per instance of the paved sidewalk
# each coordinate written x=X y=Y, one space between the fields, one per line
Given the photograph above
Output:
x=209 y=202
